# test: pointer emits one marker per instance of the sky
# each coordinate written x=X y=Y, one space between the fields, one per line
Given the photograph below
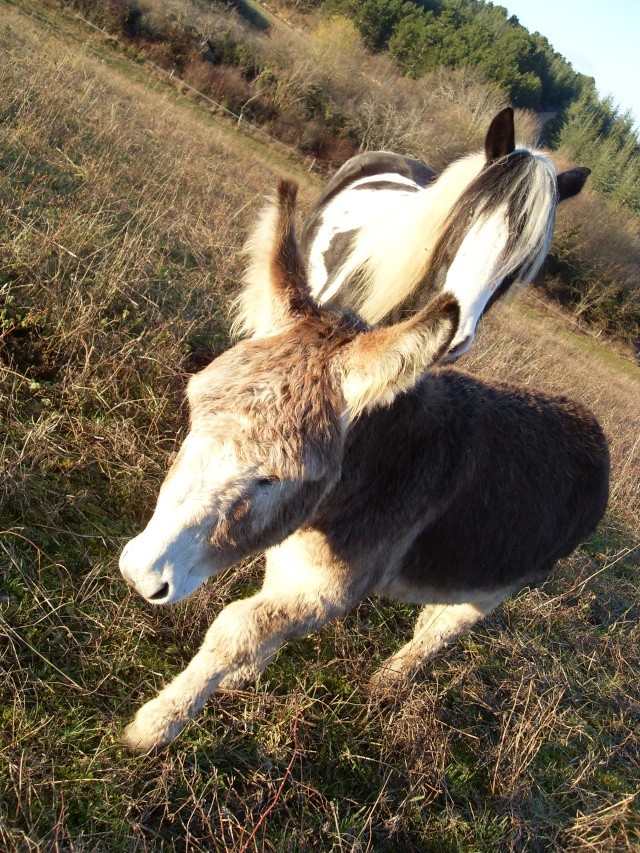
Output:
x=599 y=39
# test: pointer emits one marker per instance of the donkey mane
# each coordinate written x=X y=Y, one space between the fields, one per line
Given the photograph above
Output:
x=523 y=183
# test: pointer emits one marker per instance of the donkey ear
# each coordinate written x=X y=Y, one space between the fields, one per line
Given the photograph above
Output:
x=571 y=182
x=383 y=362
x=501 y=139
x=276 y=290
x=288 y=277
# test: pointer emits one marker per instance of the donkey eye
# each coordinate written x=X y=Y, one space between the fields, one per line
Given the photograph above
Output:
x=263 y=482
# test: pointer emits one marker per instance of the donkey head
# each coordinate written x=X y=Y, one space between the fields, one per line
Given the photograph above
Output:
x=269 y=419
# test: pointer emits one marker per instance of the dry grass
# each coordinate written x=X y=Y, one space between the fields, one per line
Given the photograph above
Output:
x=121 y=212
x=316 y=89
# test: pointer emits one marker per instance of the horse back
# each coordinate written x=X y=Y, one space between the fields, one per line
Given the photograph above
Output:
x=366 y=165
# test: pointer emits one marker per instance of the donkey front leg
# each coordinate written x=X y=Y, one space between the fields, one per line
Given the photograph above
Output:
x=243 y=638
x=437 y=626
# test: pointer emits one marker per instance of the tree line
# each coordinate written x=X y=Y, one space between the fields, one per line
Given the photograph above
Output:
x=421 y=35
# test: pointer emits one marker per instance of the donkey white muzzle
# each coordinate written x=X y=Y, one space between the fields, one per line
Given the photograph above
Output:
x=164 y=573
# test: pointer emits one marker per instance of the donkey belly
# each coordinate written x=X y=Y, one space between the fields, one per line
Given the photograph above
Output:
x=406 y=590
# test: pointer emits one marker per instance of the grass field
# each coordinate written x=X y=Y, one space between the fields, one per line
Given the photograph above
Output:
x=123 y=206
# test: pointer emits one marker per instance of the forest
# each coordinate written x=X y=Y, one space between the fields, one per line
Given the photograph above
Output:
x=421 y=36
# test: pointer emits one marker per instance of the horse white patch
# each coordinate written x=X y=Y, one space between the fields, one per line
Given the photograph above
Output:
x=399 y=231
x=352 y=210
x=385 y=177
x=476 y=273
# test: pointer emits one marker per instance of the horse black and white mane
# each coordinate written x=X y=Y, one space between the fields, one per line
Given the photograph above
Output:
x=388 y=233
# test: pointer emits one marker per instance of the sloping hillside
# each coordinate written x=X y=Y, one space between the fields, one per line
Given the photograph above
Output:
x=312 y=86
x=123 y=206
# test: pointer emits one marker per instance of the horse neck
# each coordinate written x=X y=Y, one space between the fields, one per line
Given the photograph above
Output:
x=392 y=254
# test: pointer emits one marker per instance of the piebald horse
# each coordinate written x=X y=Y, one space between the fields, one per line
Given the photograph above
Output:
x=362 y=471
x=388 y=233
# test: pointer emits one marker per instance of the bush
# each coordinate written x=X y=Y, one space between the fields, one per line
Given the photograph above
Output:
x=115 y=16
x=593 y=266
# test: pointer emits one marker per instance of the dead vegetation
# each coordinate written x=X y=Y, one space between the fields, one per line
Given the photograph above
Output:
x=122 y=210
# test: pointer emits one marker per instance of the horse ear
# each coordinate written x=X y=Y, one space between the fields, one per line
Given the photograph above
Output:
x=381 y=363
x=276 y=290
x=501 y=139
x=571 y=182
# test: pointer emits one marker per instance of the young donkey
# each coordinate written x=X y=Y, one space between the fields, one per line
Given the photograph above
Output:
x=325 y=442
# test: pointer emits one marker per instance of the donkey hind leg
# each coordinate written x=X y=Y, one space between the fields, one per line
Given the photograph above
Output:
x=243 y=638
x=438 y=625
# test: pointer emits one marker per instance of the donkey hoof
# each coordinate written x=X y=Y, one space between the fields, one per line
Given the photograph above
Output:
x=389 y=682
x=151 y=729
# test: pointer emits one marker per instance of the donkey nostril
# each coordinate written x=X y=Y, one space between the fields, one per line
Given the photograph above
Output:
x=161 y=593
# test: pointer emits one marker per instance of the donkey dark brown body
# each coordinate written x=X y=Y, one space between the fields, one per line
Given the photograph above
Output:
x=495 y=482
x=326 y=443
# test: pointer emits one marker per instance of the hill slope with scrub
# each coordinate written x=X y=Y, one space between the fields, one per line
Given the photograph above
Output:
x=312 y=84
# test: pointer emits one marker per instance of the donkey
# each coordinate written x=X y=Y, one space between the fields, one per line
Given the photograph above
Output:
x=328 y=443
x=388 y=233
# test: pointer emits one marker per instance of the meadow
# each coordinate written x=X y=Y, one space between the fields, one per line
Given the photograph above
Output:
x=123 y=207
